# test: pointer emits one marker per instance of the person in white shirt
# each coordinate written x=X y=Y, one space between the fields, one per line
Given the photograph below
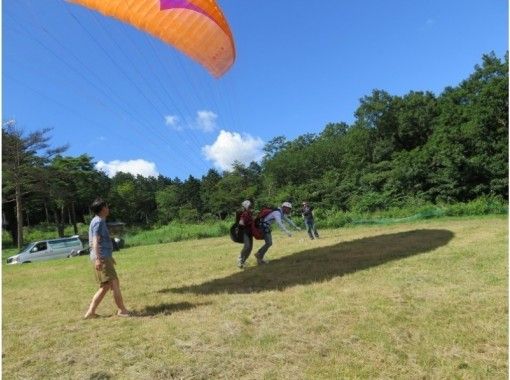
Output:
x=279 y=216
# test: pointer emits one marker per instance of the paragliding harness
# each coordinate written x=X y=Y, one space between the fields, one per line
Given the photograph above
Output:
x=259 y=226
x=236 y=230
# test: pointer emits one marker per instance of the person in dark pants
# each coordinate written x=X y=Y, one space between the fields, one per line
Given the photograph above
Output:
x=245 y=221
x=307 y=213
x=279 y=215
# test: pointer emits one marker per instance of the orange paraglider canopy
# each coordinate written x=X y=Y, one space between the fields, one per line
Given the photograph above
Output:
x=198 y=28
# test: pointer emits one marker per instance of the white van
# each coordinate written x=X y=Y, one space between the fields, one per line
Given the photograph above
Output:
x=47 y=250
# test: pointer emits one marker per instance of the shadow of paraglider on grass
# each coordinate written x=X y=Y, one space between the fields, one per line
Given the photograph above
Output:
x=324 y=263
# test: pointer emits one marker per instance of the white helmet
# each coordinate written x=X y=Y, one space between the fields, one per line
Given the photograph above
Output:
x=246 y=204
x=287 y=204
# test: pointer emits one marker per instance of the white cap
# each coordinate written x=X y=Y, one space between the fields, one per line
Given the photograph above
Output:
x=246 y=204
x=287 y=204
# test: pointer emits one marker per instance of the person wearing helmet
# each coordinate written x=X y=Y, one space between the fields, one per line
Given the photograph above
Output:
x=279 y=216
x=308 y=217
x=245 y=221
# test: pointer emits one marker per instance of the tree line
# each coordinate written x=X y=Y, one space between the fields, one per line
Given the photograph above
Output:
x=399 y=150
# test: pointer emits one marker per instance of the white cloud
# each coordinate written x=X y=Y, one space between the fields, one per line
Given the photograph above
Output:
x=173 y=121
x=135 y=167
x=206 y=121
x=232 y=146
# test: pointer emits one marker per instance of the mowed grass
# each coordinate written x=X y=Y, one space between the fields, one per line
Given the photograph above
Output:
x=418 y=300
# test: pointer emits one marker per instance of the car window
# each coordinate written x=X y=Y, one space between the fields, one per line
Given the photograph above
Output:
x=72 y=242
x=26 y=247
x=42 y=246
x=57 y=243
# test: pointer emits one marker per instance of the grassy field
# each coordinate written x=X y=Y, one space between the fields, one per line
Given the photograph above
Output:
x=426 y=299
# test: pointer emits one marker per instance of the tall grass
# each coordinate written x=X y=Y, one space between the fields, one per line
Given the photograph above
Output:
x=134 y=236
x=325 y=218
x=411 y=212
x=176 y=232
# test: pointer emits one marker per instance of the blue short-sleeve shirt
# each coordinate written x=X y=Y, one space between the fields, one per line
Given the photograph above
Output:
x=98 y=228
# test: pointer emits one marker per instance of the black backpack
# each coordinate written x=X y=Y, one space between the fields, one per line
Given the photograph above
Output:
x=237 y=231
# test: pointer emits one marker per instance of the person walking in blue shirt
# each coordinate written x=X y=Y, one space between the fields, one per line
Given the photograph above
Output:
x=101 y=256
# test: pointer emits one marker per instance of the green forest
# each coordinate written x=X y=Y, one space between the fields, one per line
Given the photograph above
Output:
x=401 y=151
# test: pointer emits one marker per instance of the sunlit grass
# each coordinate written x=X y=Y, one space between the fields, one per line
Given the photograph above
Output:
x=417 y=300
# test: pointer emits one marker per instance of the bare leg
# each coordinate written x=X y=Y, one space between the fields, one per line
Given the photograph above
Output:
x=96 y=300
x=117 y=296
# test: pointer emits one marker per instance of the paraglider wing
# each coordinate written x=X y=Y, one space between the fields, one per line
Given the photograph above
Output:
x=198 y=28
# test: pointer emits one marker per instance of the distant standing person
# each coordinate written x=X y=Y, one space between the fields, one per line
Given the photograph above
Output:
x=278 y=215
x=245 y=221
x=308 y=217
x=102 y=261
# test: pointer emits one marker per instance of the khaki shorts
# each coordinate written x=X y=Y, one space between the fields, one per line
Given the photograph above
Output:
x=107 y=272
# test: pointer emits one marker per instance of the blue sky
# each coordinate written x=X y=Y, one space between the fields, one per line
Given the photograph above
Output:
x=136 y=104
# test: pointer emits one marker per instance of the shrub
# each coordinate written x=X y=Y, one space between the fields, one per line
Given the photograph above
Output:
x=370 y=202
x=188 y=214
x=481 y=206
